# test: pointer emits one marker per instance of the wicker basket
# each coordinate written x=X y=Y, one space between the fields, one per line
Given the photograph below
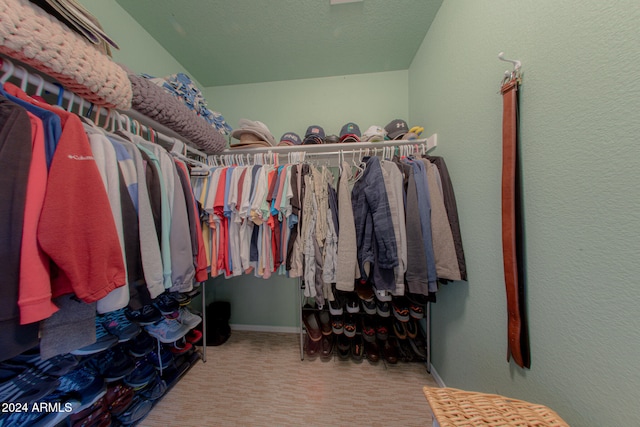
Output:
x=453 y=407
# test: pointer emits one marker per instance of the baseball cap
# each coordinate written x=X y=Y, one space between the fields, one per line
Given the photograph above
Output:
x=249 y=140
x=332 y=139
x=314 y=135
x=350 y=133
x=374 y=134
x=256 y=128
x=396 y=129
x=290 y=138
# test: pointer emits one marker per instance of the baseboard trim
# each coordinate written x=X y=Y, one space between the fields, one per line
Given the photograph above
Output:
x=436 y=377
x=262 y=328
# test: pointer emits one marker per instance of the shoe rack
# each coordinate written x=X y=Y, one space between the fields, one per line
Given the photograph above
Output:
x=406 y=348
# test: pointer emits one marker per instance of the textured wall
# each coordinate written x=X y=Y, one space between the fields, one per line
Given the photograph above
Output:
x=581 y=163
x=138 y=51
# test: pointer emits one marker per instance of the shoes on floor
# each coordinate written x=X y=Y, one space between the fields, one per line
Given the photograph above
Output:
x=372 y=351
x=137 y=410
x=143 y=373
x=116 y=323
x=181 y=347
x=390 y=350
x=163 y=362
x=326 y=347
x=113 y=365
x=357 y=348
x=382 y=329
x=29 y=386
x=155 y=389
x=194 y=337
x=343 y=346
x=419 y=347
x=118 y=398
x=405 y=352
x=312 y=348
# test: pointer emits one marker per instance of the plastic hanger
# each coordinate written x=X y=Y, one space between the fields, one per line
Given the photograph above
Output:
x=25 y=79
x=8 y=73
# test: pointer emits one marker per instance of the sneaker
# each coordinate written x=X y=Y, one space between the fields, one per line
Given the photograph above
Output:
x=58 y=365
x=167 y=330
x=188 y=319
x=412 y=328
x=104 y=340
x=112 y=365
x=325 y=322
x=369 y=306
x=116 y=323
x=382 y=330
x=118 y=398
x=400 y=309
x=405 y=351
x=368 y=330
x=416 y=310
x=372 y=351
x=382 y=308
x=29 y=386
x=194 y=336
x=166 y=359
x=357 y=348
x=155 y=389
x=326 y=347
x=181 y=348
x=147 y=315
x=399 y=329
x=143 y=373
x=85 y=383
x=137 y=410
x=381 y=295
x=312 y=348
x=335 y=307
x=419 y=347
x=350 y=326
x=353 y=304
x=344 y=347
x=390 y=350
x=182 y=299
x=141 y=345
x=166 y=304
x=337 y=325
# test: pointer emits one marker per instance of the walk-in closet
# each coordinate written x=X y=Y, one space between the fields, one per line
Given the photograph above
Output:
x=319 y=212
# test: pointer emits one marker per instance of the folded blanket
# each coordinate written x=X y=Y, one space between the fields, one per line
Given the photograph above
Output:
x=152 y=101
x=32 y=36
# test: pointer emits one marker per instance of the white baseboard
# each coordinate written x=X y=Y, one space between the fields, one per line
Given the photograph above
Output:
x=437 y=377
x=262 y=328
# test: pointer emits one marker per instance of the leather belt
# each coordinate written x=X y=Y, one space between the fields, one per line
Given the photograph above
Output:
x=512 y=236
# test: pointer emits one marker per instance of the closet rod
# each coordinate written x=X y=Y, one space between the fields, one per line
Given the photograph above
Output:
x=332 y=149
x=36 y=79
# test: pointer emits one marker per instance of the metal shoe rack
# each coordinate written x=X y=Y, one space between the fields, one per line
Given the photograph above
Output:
x=425 y=326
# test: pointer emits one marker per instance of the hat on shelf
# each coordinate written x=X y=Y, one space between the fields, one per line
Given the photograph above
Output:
x=252 y=134
x=396 y=129
x=374 y=134
x=314 y=135
x=350 y=133
x=332 y=139
x=417 y=130
x=290 y=138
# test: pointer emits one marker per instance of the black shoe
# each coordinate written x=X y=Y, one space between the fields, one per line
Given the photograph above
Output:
x=326 y=347
x=147 y=315
x=141 y=345
x=357 y=348
x=405 y=351
x=344 y=347
x=368 y=329
x=353 y=304
x=312 y=348
x=412 y=328
x=400 y=308
x=390 y=350
x=419 y=346
x=166 y=304
x=399 y=329
x=113 y=364
x=382 y=329
x=372 y=351
x=350 y=326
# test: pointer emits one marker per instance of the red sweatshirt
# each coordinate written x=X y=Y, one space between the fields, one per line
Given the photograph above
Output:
x=76 y=227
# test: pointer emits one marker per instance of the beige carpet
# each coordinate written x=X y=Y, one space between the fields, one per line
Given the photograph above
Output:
x=258 y=379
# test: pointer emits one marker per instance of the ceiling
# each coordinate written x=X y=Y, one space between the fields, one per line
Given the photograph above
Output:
x=225 y=42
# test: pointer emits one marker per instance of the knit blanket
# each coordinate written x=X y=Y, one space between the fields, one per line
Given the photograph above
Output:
x=32 y=36
x=152 y=101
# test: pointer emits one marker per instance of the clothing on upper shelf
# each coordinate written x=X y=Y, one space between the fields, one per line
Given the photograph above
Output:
x=108 y=220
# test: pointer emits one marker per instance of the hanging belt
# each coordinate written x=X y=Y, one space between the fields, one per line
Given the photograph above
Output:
x=512 y=241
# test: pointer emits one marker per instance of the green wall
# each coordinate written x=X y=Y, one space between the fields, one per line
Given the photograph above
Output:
x=580 y=121
x=138 y=51
x=294 y=105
